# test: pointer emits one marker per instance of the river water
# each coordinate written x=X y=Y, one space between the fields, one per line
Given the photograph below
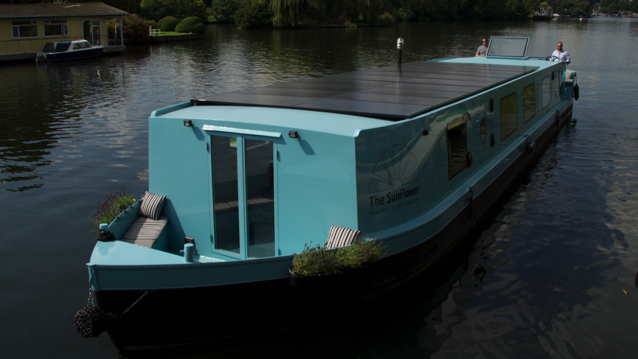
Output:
x=551 y=276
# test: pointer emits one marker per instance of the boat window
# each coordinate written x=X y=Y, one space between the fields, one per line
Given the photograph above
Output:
x=483 y=130
x=529 y=101
x=457 y=149
x=24 y=29
x=546 y=92
x=55 y=28
x=81 y=45
x=508 y=115
x=260 y=205
x=49 y=47
x=225 y=194
x=556 y=86
x=62 y=46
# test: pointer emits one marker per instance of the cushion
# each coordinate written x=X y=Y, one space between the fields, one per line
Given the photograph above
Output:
x=341 y=237
x=145 y=231
x=152 y=205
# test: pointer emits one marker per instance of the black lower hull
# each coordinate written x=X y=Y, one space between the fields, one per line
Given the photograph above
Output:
x=179 y=316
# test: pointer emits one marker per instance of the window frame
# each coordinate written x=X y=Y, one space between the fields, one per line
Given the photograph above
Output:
x=64 y=24
x=33 y=23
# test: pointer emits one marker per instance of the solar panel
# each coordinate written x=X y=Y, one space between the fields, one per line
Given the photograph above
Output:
x=390 y=92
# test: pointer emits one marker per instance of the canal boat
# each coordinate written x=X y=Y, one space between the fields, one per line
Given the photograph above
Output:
x=69 y=50
x=411 y=155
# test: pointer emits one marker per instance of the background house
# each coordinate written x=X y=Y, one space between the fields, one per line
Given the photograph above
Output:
x=26 y=28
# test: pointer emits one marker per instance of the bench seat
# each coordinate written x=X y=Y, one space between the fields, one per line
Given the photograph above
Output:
x=145 y=231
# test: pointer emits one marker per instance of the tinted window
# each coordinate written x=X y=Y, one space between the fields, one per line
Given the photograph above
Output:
x=457 y=150
x=508 y=115
x=62 y=46
x=529 y=101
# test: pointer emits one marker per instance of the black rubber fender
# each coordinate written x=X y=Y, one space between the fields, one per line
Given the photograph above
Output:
x=576 y=92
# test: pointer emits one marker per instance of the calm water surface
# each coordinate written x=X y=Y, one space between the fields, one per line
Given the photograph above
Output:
x=551 y=276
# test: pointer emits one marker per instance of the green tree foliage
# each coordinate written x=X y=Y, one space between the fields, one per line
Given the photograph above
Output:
x=157 y=9
x=192 y=24
x=616 y=6
x=253 y=13
x=168 y=23
x=223 y=10
x=135 y=30
x=571 y=7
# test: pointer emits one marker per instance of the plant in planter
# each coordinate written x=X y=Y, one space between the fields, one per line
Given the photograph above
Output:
x=359 y=254
x=112 y=206
x=314 y=261
x=319 y=261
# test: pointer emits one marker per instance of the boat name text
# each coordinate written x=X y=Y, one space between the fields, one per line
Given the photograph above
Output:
x=393 y=196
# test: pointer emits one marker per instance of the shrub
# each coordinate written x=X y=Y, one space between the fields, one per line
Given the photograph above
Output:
x=317 y=261
x=359 y=254
x=191 y=24
x=112 y=206
x=253 y=13
x=168 y=23
x=135 y=31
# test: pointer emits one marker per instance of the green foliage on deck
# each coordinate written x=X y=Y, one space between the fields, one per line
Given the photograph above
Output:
x=319 y=261
x=113 y=205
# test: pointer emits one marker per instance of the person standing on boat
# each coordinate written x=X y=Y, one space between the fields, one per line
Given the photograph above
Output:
x=560 y=55
x=482 y=49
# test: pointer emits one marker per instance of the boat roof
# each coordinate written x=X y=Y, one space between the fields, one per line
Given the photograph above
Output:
x=390 y=92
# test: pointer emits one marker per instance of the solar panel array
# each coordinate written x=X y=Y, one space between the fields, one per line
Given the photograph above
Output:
x=390 y=92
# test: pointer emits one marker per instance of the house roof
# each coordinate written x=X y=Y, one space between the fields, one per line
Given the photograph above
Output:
x=48 y=10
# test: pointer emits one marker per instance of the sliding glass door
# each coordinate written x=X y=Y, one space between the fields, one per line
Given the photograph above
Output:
x=243 y=196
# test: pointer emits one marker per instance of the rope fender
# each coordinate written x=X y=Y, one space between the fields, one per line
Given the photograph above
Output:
x=90 y=321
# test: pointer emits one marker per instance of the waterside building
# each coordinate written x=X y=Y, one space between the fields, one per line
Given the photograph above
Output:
x=26 y=28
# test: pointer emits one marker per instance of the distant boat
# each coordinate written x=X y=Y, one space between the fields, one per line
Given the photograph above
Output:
x=412 y=156
x=69 y=50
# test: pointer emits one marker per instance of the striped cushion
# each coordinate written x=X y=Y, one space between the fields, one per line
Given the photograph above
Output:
x=341 y=237
x=152 y=205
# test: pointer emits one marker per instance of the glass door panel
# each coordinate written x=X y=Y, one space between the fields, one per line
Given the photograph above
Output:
x=225 y=193
x=260 y=206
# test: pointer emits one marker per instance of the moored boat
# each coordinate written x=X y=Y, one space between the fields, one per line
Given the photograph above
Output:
x=69 y=50
x=412 y=156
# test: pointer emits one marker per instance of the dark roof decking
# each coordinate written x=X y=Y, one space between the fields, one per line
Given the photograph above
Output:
x=49 y=10
x=384 y=92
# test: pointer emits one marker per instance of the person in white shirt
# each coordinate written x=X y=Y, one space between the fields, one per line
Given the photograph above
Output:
x=560 y=55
